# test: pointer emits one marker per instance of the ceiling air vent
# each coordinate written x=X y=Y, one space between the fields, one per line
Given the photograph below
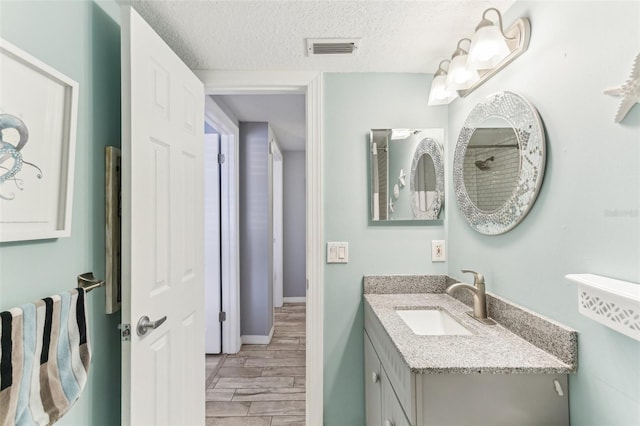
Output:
x=332 y=46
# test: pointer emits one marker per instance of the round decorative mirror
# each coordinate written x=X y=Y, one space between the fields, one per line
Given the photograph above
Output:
x=499 y=163
x=427 y=180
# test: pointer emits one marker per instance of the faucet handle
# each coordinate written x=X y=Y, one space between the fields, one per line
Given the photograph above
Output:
x=478 y=278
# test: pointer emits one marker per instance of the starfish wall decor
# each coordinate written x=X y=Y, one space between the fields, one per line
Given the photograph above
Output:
x=629 y=91
x=401 y=178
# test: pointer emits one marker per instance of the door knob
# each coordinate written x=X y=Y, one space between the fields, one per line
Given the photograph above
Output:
x=145 y=324
x=375 y=377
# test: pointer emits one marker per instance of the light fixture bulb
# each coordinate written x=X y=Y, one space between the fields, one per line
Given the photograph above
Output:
x=488 y=48
x=460 y=77
x=489 y=43
x=440 y=94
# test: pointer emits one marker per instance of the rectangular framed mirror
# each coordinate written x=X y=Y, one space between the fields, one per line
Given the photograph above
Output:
x=407 y=174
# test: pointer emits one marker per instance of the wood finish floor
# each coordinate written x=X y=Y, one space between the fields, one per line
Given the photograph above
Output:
x=262 y=385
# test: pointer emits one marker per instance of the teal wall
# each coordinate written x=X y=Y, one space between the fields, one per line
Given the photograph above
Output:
x=353 y=105
x=79 y=39
x=593 y=169
x=585 y=219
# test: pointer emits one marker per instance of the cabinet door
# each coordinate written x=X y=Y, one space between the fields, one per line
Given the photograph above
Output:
x=494 y=399
x=392 y=412
x=372 y=387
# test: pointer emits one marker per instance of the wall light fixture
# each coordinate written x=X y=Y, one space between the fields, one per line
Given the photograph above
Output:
x=491 y=49
x=489 y=45
x=440 y=93
x=460 y=76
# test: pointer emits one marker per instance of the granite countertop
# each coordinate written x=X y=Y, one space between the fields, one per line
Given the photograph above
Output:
x=489 y=349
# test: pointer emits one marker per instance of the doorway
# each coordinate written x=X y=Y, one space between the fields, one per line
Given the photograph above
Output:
x=309 y=84
x=272 y=146
x=267 y=377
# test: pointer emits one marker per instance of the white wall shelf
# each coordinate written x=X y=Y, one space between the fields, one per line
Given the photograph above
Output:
x=611 y=302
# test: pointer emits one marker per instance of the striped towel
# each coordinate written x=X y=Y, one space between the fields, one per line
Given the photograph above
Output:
x=44 y=359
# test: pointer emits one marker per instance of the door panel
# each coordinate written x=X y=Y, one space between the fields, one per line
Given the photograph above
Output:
x=160 y=213
x=159 y=355
x=162 y=231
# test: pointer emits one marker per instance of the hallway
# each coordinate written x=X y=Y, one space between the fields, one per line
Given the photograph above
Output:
x=262 y=385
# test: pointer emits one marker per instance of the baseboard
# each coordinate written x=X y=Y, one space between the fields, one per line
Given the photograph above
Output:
x=294 y=299
x=256 y=339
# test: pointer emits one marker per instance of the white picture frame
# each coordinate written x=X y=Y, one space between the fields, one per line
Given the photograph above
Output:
x=36 y=172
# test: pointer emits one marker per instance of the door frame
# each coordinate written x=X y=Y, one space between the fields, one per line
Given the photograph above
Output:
x=212 y=239
x=229 y=220
x=310 y=84
x=277 y=167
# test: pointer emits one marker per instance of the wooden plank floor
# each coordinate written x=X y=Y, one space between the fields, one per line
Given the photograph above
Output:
x=262 y=385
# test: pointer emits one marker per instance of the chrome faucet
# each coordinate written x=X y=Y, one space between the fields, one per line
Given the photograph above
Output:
x=479 y=297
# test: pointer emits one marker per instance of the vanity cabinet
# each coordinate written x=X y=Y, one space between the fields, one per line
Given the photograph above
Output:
x=401 y=397
x=382 y=405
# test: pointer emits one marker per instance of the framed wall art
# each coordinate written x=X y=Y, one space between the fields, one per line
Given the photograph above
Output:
x=38 y=119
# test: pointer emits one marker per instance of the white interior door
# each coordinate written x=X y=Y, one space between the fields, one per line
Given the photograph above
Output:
x=162 y=231
x=278 y=232
x=212 y=243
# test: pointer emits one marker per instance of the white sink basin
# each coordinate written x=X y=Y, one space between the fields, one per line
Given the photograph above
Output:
x=432 y=322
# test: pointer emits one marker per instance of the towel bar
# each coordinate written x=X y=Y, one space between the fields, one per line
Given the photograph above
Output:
x=89 y=282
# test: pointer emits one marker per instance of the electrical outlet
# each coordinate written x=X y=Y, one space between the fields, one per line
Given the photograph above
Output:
x=438 y=253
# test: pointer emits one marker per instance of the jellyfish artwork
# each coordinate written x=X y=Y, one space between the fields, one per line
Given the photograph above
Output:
x=11 y=155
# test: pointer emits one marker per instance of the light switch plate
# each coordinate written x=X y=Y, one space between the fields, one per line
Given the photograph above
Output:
x=337 y=252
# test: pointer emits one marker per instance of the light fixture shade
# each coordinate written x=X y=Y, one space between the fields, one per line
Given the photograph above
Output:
x=440 y=94
x=488 y=48
x=459 y=76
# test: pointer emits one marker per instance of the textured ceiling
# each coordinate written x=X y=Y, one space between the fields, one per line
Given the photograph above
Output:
x=397 y=36
x=284 y=113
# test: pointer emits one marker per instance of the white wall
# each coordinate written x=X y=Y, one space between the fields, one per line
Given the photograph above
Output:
x=294 y=224
x=585 y=219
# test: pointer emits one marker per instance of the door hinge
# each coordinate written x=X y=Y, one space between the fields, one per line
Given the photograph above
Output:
x=222 y=316
x=220 y=158
x=125 y=332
